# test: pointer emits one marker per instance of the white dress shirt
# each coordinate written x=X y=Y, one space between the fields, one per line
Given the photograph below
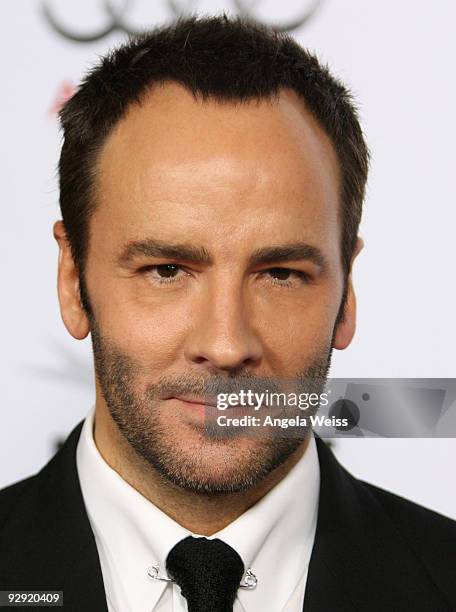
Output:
x=274 y=537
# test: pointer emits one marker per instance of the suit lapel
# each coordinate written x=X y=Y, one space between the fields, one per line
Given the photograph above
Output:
x=49 y=540
x=359 y=560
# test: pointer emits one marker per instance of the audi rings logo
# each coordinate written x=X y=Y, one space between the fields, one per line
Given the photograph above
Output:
x=116 y=16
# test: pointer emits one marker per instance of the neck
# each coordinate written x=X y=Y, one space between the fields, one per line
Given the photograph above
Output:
x=200 y=513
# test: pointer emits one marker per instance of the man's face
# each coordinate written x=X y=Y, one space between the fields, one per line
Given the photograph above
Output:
x=214 y=252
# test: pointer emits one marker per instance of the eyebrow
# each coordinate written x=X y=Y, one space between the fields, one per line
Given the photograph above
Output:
x=158 y=248
x=195 y=254
x=289 y=252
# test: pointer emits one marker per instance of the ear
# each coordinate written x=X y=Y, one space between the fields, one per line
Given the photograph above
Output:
x=347 y=326
x=71 y=310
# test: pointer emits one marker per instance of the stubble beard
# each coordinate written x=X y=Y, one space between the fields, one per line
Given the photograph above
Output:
x=211 y=463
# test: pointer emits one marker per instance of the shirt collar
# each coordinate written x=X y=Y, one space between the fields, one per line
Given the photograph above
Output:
x=274 y=537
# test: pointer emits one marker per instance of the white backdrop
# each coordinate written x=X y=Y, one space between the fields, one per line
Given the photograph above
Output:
x=398 y=58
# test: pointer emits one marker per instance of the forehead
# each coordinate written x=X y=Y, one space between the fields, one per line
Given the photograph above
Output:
x=214 y=165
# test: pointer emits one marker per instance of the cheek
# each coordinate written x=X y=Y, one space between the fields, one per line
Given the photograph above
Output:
x=297 y=330
x=152 y=334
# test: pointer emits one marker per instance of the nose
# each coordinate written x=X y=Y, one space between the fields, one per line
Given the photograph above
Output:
x=223 y=337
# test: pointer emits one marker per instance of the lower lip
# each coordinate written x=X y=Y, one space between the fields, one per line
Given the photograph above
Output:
x=199 y=409
x=209 y=410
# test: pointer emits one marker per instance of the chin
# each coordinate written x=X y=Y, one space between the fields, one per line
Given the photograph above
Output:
x=194 y=461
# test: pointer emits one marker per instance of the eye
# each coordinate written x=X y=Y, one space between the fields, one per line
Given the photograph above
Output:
x=286 y=277
x=163 y=274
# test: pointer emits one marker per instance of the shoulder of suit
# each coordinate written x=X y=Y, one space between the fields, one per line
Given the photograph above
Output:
x=411 y=515
x=24 y=493
x=11 y=495
x=430 y=535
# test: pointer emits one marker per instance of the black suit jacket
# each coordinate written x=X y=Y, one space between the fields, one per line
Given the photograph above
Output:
x=373 y=551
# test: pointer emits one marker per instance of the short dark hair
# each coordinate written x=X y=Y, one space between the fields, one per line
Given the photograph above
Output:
x=219 y=58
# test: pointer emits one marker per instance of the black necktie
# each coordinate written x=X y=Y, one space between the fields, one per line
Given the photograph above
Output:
x=208 y=572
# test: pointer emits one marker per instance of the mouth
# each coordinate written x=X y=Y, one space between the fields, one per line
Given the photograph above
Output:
x=194 y=407
x=196 y=401
x=199 y=404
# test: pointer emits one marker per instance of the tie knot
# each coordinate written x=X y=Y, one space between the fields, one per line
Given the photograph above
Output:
x=208 y=572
